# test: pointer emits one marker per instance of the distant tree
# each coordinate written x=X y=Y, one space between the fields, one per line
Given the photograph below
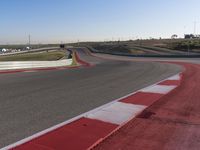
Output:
x=174 y=36
x=189 y=36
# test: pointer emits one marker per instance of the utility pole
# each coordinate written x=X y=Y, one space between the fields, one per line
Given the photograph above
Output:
x=29 y=40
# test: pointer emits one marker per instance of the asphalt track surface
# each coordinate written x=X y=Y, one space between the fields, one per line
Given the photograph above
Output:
x=33 y=101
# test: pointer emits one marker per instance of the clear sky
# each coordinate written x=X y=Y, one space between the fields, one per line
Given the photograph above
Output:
x=51 y=21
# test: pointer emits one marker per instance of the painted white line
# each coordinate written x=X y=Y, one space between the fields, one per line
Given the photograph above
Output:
x=71 y=120
x=160 y=89
x=176 y=77
x=117 y=113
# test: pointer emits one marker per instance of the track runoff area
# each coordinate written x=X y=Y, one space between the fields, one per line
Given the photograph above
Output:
x=145 y=119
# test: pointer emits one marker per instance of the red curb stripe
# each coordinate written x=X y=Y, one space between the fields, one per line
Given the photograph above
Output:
x=35 y=69
x=12 y=71
x=38 y=69
x=80 y=61
x=170 y=82
x=141 y=98
x=78 y=135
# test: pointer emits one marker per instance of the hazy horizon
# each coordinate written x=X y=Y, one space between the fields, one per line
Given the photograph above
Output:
x=55 y=21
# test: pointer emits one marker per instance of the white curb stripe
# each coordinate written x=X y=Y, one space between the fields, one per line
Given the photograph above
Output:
x=176 y=77
x=160 y=89
x=117 y=113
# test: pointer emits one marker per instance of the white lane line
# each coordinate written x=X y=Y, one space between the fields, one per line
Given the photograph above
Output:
x=176 y=77
x=117 y=113
x=160 y=89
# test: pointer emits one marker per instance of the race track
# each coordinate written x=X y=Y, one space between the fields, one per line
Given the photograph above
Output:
x=33 y=101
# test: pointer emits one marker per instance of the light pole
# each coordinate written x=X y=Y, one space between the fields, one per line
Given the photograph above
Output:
x=29 y=41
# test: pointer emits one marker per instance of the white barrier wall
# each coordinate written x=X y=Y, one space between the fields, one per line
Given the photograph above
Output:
x=29 y=51
x=11 y=65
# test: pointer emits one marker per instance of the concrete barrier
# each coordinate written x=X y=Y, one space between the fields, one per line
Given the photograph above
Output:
x=13 y=65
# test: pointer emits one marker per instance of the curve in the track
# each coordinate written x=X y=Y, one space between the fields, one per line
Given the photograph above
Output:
x=173 y=122
x=32 y=102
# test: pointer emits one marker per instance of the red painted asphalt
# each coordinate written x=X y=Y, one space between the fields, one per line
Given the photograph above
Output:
x=171 y=123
